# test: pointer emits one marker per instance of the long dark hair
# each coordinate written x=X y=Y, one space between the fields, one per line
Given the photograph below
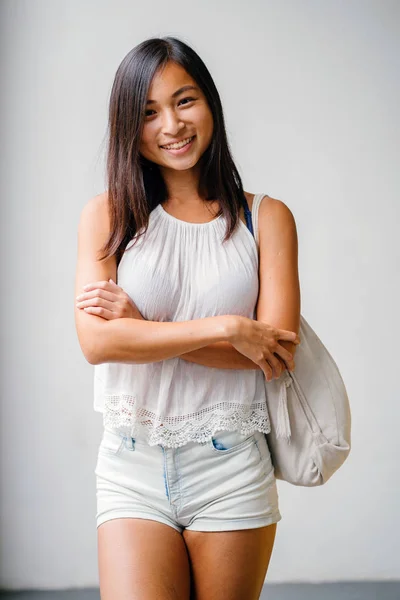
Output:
x=135 y=184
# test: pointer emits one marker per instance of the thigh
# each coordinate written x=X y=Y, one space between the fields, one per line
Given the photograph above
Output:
x=140 y=558
x=229 y=564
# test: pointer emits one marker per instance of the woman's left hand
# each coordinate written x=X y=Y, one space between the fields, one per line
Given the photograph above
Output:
x=107 y=300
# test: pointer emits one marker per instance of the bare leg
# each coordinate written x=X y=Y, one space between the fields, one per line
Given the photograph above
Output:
x=142 y=559
x=229 y=564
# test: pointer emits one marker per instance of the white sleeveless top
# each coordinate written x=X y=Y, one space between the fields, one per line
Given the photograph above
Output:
x=179 y=271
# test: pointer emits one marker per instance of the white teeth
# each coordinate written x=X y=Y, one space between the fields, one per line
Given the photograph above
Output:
x=178 y=145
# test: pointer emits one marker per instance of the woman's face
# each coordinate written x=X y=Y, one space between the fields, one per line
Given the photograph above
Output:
x=172 y=117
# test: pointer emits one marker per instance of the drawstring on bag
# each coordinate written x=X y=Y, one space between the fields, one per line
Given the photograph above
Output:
x=283 y=423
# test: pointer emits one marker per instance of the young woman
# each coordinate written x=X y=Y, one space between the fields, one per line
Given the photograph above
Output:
x=183 y=319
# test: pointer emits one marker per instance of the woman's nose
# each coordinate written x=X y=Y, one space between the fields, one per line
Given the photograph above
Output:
x=171 y=123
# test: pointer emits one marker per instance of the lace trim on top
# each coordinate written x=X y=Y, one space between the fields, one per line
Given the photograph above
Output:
x=120 y=412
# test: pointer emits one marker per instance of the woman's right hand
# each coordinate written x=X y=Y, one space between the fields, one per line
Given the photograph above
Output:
x=259 y=341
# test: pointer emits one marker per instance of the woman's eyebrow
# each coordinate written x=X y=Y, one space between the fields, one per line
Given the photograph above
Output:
x=175 y=94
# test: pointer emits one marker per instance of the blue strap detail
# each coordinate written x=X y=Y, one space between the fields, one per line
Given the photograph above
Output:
x=247 y=216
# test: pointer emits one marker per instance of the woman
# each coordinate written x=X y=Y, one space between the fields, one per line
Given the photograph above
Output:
x=187 y=504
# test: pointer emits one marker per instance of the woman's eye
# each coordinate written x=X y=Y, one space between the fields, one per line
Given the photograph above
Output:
x=188 y=99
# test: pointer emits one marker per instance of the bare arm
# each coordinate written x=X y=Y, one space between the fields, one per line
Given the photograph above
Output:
x=131 y=340
x=220 y=355
x=140 y=341
x=279 y=297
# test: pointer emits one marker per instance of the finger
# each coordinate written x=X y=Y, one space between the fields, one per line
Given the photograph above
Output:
x=100 y=312
x=289 y=365
x=283 y=364
x=285 y=355
x=98 y=293
x=98 y=302
x=290 y=336
x=113 y=284
x=97 y=284
x=266 y=368
x=275 y=364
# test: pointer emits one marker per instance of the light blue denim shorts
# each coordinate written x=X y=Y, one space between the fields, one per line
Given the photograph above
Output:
x=224 y=484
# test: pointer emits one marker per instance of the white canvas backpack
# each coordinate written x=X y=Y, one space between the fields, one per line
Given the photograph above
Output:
x=309 y=407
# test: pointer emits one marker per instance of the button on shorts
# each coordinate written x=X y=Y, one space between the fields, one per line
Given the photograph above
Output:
x=224 y=484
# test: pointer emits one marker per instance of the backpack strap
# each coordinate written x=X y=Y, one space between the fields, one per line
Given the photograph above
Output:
x=247 y=216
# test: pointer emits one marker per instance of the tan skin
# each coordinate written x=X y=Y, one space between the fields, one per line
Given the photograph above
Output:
x=145 y=559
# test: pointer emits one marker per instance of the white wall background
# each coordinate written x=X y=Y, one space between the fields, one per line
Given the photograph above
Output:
x=311 y=96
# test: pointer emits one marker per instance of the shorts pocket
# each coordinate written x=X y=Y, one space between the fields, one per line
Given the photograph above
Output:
x=226 y=442
x=265 y=454
x=112 y=442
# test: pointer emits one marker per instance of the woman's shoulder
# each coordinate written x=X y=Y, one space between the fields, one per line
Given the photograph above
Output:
x=265 y=200
x=98 y=203
x=268 y=203
x=272 y=212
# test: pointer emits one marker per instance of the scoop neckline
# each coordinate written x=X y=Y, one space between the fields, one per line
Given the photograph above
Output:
x=162 y=210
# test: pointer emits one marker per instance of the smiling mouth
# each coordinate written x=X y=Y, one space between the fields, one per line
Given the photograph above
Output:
x=178 y=145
